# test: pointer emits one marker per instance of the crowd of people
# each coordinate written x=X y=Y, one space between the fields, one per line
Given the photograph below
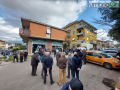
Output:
x=73 y=63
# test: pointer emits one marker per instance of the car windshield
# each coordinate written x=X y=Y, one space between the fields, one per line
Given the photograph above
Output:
x=105 y=55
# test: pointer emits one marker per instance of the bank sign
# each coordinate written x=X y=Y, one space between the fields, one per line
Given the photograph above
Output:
x=43 y=42
x=104 y=4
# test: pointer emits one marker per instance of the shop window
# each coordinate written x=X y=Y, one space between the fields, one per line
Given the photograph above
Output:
x=78 y=45
x=48 y=30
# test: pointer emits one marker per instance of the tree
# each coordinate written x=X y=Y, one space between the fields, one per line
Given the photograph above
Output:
x=110 y=17
x=65 y=45
x=11 y=47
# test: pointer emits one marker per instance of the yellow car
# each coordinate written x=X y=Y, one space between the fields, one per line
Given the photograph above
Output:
x=98 y=57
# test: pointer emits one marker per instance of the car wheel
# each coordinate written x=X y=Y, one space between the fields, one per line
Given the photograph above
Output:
x=107 y=65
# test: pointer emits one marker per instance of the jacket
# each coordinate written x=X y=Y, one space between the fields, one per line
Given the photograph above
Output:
x=42 y=58
x=62 y=62
x=69 y=62
x=35 y=60
x=76 y=62
x=84 y=54
x=65 y=86
x=25 y=54
x=41 y=53
x=15 y=54
x=80 y=54
x=47 y=63
x=21 y=54
x=58 y=55
x=7 y=52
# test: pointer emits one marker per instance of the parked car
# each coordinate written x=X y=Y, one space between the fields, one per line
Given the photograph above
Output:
x=110 y=52
x=111 y=49
x=100 y=58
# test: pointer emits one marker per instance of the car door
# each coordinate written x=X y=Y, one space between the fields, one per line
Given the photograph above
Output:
x=89 y=56
x=97 y=59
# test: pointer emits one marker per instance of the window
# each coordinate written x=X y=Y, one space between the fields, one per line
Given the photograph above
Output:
x=87 y=31
x=73 y=46
x=68 y=29
x=48 y=30
x=68 y=34
x=73 y=32
x=96 y=55
x=90 y=53
x=73 y=26
x=80 y=31
x=87 y=38
x=78 y=45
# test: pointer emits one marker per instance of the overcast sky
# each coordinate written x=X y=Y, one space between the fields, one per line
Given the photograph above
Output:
x=57 y=13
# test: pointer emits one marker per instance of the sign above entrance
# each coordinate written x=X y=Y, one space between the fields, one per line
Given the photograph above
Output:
x=43 y=42
x=56 y=43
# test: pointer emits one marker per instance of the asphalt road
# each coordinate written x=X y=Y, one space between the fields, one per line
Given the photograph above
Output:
x=17 y=76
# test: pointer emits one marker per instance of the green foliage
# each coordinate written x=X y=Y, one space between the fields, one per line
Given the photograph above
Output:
x=15 y=49
x=111 y=17
x=23 y=47
x=11 y=47
x=65 y=45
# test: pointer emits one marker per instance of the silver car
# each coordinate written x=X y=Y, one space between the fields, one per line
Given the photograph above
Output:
x=110 y=52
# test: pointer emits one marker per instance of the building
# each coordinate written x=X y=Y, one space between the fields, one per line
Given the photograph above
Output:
x=104 y=44
x=81 y=33
x=8 y=45
x=2 y=44
x=43 y=35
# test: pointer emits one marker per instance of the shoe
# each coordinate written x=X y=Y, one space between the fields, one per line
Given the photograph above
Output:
x=35 y=75
x=53 y=82
x=68 y=77
x=58 y=84
x=44 y=82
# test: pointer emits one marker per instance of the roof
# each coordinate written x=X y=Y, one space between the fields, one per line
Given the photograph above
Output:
x=9 y=43
x=42 y=23
x=78 y=22
x=2 y=41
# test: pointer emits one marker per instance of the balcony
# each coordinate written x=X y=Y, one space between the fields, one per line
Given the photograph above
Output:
x=92 y=42
x=24 y=32
x=67 y=39
x=82 y=33
x=81 y=41
x=80 y=26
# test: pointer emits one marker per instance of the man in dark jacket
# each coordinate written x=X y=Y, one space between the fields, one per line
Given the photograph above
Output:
x=79 y=53
x=25 y=55
x=42 y=63
x=47 y=66
x=41 y=53
x=54 y=52
x=74 y=84
x=62 y=63
x=84 y=56
x=15 y=55
x=21 y=56
x=34 y=63
x=76 y=65
x=58 y=55
x=69 y=62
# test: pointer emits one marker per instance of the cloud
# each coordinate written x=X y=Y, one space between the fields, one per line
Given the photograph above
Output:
x=57 y=13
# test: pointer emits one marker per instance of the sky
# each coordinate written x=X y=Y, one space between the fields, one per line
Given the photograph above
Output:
x=54 y=12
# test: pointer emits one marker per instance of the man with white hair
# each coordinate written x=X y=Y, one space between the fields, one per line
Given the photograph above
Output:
x=47 y=66
x=62 y=63
x=58 y=55
x=76 y=65
x=34 y=63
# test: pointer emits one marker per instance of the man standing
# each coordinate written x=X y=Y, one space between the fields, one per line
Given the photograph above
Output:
x=79 y=52
x=58 y=55
x=21 y=56
x=54 y=52
x=47 y=66
x=62 y=62
x=25 y=55
x=84 y=56
x=34 y=63
x=69 y=62
x=41 y=53
x=7 y=55
x=42 y=64
x=76 y=65
x=15 y=55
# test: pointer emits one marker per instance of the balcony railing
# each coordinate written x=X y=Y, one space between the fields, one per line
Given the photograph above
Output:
x=68 y=35
x=82 y=33
x=80 y=26
x=81 y=41
x=24 y=32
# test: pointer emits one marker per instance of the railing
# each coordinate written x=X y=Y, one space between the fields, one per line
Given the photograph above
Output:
x=24 y=32
x=80 y=26
x=82 y=33
x=68 y=35
x=83 y=40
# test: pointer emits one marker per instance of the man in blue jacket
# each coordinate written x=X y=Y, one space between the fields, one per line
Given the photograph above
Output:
x=76 y=65
x=74 y=84
x=47 y=66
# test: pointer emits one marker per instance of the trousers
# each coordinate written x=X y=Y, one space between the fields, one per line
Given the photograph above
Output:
x=15 y=58
x=21 y=58
x=34 y=69
x=69 y=69
x=77 y=73
x=45 y=74
x=62 y=71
